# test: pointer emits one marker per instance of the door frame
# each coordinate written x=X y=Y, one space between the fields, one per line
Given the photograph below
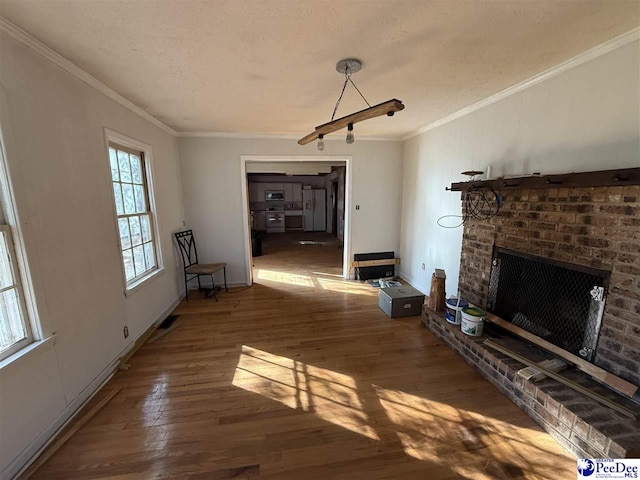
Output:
x=244 y=159
x=334 y=186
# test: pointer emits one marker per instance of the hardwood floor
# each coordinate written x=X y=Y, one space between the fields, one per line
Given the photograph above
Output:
x=303 y=377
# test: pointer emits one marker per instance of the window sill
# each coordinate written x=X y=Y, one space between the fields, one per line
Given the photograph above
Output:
x=20 y=355
x=134 y=287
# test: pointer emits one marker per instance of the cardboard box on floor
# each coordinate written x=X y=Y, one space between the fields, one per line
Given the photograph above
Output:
x=404 y=301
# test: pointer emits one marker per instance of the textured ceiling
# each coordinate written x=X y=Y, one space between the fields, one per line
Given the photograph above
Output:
x=268 y=67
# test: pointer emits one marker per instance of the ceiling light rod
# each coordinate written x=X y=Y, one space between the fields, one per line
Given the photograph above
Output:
x=385 y=108
x=349 y=66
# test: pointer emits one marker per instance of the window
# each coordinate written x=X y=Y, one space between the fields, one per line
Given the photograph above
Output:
x=14 y=329
x=133 y=209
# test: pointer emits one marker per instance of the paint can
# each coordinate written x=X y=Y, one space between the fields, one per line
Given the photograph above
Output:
x=472 y=321
x=453 y=310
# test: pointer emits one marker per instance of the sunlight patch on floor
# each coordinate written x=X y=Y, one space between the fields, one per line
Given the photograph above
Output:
x=469 y=442
x=347 y=287
x=335 y=275
x=284 y=277
x=330 y=395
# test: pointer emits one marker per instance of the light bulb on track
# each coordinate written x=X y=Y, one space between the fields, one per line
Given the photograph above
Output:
x=350 y=137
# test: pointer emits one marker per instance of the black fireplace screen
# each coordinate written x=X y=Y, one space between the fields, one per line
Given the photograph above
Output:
x=559 y=302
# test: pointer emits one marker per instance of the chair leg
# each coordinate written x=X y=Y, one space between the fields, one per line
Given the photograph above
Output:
x=186 y=287
x=224 y=271
x=213 y=287
x=199 y=285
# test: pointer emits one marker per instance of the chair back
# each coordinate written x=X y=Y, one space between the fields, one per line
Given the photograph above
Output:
x=187 y=246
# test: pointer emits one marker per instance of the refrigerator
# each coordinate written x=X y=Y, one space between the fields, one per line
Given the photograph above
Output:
x=315 y=210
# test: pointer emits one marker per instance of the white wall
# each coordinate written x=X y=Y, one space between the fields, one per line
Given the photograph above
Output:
x=212 y=193
x=52 y=125
x=585 y=119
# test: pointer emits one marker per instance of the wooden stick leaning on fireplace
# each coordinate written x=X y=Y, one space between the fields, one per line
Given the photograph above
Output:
x=556 y=376
x=609 y=379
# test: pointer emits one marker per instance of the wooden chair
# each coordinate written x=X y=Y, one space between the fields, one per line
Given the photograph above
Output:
x=187 y=246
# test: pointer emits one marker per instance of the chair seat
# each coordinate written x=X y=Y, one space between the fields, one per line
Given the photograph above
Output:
x=205 y=268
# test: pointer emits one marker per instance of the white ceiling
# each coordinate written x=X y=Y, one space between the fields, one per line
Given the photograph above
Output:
x=268 y=66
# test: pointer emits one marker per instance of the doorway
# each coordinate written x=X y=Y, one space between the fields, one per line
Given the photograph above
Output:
x=306 y=192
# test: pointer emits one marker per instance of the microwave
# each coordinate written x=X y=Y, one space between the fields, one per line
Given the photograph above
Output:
x=274 y=195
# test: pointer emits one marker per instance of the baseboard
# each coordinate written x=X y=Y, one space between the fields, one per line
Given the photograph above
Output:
x=413 y=282
x=165 y=313
x=207 y=284
x=42 y=441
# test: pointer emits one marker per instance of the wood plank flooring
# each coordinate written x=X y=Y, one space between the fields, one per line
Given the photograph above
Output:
x=303 y=377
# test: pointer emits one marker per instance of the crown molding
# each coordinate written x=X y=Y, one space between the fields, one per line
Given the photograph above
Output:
x=59 y=61
x=205 y=134
x=273 y=136
x=600 y=50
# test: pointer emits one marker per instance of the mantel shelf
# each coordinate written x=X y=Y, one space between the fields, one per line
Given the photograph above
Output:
x=602 y=178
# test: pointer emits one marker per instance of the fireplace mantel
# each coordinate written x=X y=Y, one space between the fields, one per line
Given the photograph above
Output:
x=601 y=178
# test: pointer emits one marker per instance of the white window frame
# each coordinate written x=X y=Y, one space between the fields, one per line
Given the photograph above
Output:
x=17 y=286
x=22 y=282
x=113 y=137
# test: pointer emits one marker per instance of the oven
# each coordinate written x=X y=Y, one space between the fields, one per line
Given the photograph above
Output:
x=275 y=222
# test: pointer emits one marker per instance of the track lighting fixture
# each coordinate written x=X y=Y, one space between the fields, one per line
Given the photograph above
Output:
x=349 y=66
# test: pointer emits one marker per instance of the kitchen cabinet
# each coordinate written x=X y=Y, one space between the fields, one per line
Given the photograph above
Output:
x=288 y=192
x=273 y=186
x=297 y=192
x=254 y=193
x=292 y=192
x=260 y=192
x=260 y=221
x=293 y=220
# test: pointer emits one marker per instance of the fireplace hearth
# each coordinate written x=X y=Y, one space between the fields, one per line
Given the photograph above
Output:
x=583 y=426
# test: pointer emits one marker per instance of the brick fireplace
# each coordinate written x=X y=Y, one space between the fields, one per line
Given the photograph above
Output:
x=595 y=227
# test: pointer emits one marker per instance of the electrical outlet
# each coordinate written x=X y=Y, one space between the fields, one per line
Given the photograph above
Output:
x=125 y=331
x=357 y=207
x=423 y=266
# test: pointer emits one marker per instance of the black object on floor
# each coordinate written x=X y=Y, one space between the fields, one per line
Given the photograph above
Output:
x=167 y=322
x=256 y=244
x=380 y=271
